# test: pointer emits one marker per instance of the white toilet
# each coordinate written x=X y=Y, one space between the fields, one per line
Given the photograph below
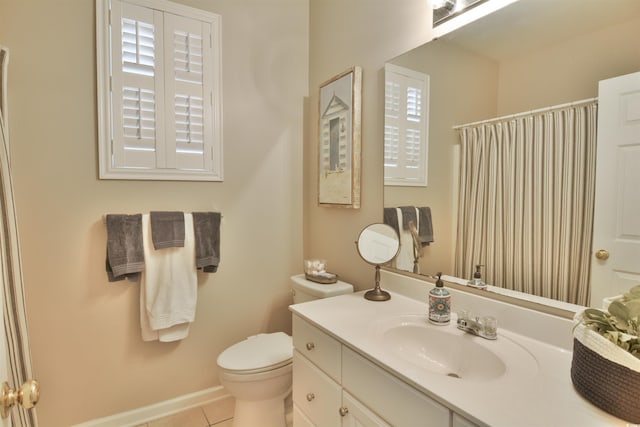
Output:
x=258 y=371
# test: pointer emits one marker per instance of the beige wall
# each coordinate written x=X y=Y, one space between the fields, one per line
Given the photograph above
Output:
x=343 y=34
x=568 y=71
x=86 y=346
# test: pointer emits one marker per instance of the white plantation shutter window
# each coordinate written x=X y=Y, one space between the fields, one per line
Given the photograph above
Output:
x=159 y=91
x=406 y=126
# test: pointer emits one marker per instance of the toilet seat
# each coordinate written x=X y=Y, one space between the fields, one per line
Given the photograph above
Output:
x=257 y=353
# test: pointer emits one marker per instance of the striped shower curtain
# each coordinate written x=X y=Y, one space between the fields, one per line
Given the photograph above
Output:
x=525 y=207
x=15 y=322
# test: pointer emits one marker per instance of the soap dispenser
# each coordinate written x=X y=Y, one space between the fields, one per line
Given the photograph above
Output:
x=477 y=282
x=439 y=304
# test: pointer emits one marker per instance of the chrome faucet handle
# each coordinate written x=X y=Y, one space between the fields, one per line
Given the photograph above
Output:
x=490 y=326
x=485 y=327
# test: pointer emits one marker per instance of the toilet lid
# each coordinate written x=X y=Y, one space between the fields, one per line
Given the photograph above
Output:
x=258 y=352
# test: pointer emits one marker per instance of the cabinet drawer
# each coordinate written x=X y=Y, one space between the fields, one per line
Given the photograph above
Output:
x=317 y=346
x=315 y=394
x=300 y=419
x=359 y=415
x=398 y=403
x=460 y=421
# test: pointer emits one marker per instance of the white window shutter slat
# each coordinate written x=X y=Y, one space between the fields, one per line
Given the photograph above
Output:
x=138 y=46
x=392 y=97
x=188 y=56
x=189 y=119
x=138 y=115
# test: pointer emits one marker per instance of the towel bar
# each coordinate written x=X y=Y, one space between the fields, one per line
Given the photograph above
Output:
x=104 y=218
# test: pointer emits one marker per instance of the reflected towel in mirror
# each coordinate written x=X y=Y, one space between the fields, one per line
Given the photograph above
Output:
x=399 y=218
x=425 y=226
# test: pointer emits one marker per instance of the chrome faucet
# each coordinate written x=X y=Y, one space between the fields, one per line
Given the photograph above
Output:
x=485 y=327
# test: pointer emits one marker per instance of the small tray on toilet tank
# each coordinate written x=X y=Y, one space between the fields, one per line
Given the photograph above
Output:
x=324 y=278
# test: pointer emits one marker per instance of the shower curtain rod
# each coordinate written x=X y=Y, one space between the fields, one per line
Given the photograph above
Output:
x=526 y=113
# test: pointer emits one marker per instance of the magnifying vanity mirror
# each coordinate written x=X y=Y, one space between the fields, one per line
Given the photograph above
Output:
x=531 y=55
x=378 y=244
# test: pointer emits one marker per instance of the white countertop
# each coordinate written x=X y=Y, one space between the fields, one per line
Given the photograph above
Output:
x=544 y=398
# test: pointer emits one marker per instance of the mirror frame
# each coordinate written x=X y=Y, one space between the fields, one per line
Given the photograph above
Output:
x=520 y=301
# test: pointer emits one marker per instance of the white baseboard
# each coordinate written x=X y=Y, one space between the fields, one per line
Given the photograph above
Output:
x=159 y=410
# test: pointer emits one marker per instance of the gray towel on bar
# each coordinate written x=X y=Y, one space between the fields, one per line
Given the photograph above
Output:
x=125 y=254
x=390 y=217
x=408 y=214
x=425 y=231
x=167 y=229
x=206 y=230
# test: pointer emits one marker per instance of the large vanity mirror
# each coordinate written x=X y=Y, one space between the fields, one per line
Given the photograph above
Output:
x=529 y=56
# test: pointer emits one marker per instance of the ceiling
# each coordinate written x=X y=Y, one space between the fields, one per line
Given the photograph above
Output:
x=533 y=24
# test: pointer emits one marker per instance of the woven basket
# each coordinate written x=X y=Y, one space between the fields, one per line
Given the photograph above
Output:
x=605 y=375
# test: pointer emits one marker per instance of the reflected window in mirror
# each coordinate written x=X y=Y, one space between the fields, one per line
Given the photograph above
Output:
x=406 y=126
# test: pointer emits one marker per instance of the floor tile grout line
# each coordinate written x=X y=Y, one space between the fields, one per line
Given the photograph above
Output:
x=220 y=422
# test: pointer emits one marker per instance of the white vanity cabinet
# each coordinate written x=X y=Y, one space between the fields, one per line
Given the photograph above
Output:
x=318 y=397
x=349 y=355
x=335 y=386
x=398 y=403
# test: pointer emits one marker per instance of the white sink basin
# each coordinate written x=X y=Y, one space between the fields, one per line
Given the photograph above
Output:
x=448 y=351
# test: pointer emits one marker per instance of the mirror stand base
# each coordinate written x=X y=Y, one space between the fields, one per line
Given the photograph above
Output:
x=377 y=294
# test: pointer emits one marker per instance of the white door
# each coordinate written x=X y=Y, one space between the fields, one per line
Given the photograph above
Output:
x=28 y=393
x=4 y=353
x=616 y=233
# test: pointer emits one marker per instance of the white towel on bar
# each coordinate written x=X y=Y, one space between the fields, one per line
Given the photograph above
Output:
x=168 y=286
x=404 y=260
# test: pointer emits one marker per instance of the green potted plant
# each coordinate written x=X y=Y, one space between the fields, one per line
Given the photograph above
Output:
x=605 y=367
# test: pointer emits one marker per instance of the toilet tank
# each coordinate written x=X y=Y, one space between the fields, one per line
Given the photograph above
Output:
x=305 y=290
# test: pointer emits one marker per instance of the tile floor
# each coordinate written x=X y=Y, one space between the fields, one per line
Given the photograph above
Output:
x=218 y=414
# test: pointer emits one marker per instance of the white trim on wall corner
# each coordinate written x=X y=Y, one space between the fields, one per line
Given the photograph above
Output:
x=159 y=410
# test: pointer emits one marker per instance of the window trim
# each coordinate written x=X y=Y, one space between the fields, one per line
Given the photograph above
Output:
x=105 y=132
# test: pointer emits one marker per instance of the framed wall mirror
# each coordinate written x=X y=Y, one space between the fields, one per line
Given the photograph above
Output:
x=528 y=56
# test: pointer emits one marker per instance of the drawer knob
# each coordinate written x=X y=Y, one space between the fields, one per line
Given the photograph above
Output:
x=343 y=411
x=310 y=346
x=310 y=396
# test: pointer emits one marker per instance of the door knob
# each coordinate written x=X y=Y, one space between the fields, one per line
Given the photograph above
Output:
x=27 y=396
x=602 y=254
